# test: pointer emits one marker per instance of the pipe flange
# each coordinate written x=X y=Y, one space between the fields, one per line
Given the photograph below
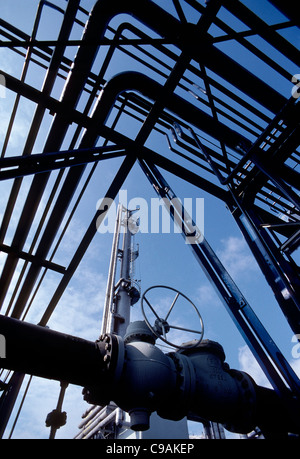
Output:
x=184 y=387
x=106 y=344
x=179 y=372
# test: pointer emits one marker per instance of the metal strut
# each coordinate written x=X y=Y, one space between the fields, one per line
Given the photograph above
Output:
x=256 y=336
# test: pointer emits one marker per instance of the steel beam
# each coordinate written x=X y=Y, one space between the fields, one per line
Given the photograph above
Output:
x=255 y=23
x=287 y=7
x=192 y=43
x=9 y=398
x=54 y=141
x=188 y=38
x=256 y=336
x=33 y=259
x=20 y=166
x=278 y=272
x=116 y=86
x=67 y=43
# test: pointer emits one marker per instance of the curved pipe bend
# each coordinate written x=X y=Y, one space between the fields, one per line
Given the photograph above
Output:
x=186 y=37
x=141 y=379
x=136 y=81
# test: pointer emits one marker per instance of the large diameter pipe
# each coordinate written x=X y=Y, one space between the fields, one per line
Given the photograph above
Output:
x=42 y=352
x=144 y=379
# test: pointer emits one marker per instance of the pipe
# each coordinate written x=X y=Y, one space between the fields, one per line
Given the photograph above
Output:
x=103 y=11
x=114 y=87
x=139 y=82
x=93 y=423
x=39 y=351
x=53 y=143
x=94 y=411
x=120 y=139
x=141 y=379
x=109 y=294
x=101 y=424
x=186 y=38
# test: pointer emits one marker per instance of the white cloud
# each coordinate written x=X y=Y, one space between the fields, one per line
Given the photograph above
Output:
x=249 y=365
x=236 y=257
x=206 y=296
x=79 y=311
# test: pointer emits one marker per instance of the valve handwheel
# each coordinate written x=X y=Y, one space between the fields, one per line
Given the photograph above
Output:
x=161 y=326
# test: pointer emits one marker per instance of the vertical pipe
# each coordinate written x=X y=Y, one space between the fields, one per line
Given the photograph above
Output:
x=88 y=237
x=8 y=400
x=123 y=297
x=110 y=287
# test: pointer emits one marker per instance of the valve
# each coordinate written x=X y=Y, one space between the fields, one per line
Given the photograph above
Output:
x=141 y=379
x=162 y=325
x=192 y=381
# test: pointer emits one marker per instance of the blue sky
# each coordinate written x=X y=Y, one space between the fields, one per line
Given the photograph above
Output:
x=164 y=258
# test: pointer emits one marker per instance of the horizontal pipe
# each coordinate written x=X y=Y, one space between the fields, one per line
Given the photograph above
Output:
x=102 y=42
x=39 y=351
x=92 y=414
x=103 y=423
x=93 y=422
x=126 y=378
